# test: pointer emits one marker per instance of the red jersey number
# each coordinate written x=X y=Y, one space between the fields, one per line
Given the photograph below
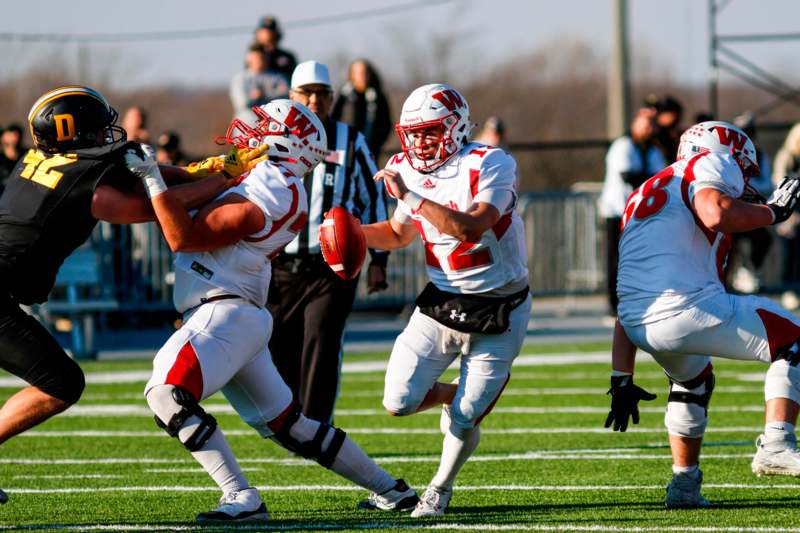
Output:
x=651 y=198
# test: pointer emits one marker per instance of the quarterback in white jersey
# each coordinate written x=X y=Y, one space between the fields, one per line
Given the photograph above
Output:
x=222 y=279
x=461 y=199
x=672 y=302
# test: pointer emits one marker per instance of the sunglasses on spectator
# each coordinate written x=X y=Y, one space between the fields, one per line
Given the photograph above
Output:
x=319 y=92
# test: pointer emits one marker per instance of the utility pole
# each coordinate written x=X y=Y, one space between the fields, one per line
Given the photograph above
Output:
x=619 y=88
x=713 y=74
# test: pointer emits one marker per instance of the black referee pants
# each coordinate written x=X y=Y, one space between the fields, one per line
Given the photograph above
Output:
x=309 y=306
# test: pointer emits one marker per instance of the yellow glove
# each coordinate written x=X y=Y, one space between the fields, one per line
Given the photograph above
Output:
x=206 y=167
x=241 y=160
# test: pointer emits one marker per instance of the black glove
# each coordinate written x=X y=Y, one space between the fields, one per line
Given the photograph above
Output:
x=783 y=200
x=625 y=398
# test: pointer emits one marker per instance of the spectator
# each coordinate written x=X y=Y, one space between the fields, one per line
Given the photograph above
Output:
x=630 y=161
x=308 y=302
x=255 y=85
x=669 y=113
x=750 y=248
x=493 y=133
x=268 y=36
x=787 y=162
x=362 y=104
x=12 y=150
x=134 y=122
x=169 y=150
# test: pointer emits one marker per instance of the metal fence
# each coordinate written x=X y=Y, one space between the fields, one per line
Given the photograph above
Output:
x=565 y=256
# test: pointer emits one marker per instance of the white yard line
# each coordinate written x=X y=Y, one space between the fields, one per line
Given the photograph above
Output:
x=381 y=431
x=602 y=528
x=354 y=488
x=548 y=455
x=524 y=360
x=415 y=526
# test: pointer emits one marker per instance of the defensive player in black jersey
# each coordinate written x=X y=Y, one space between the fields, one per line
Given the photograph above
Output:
x=74 y=176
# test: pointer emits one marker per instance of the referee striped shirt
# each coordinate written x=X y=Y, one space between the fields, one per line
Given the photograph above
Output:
x=344 y=178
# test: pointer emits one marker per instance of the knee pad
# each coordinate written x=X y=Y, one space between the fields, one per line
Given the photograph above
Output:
x=687 y=406
x=186 y=420
x=782 y=381
x=309 y=438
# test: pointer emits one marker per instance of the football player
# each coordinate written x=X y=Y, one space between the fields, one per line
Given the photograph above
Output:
x=74 y=175
x=675 y=237
x=460 y=197
x=222 y=276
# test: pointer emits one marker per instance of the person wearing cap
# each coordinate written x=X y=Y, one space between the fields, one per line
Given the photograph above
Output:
x=308 y=302
x=168 y=151
x=256 y=85
x=268 y=36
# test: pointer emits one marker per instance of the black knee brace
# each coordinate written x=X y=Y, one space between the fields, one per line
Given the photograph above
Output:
x=189 y=407
x=311 y=449
x=688 y=397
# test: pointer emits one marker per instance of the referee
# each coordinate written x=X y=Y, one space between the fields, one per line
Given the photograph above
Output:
x=308 y=302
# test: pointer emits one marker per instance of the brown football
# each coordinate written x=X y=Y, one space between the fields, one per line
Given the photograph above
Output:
x=342 y=242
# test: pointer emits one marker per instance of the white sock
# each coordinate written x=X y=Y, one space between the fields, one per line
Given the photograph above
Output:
x=351 y=462
x=691 y=471
x=455 y=453
x=217 y=458
x=778 y=431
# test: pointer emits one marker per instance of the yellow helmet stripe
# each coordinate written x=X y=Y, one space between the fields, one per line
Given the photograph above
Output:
x=62 y=91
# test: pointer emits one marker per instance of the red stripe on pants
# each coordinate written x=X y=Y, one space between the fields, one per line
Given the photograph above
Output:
x=186 y=372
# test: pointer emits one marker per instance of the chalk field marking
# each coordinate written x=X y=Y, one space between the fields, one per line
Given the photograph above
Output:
x=413 y=526
x=353 y=488
x=552 y=455
x=382 y=431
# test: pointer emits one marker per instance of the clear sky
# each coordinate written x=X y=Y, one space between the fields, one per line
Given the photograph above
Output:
x=665 y=34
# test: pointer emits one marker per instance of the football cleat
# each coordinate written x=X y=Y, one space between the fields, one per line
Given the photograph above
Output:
x=3 y=497
x=433 y=502
x=776 y=458
x=683 y=492
x=401 y=498
x=238 y=506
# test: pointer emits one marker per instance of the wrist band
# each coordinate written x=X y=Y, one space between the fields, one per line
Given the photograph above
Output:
x=413 y=200
x=154 y=184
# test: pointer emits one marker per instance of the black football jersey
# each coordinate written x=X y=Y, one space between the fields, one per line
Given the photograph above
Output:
x=46 y=212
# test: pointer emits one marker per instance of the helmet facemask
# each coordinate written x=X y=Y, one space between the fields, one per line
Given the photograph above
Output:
x=446 y=146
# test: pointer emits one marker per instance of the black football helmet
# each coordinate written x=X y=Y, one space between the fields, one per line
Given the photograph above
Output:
x=73 y=117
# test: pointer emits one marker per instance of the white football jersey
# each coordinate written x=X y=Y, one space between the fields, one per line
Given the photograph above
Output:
x=477 y=173
x=669 y=260
x=244 y=268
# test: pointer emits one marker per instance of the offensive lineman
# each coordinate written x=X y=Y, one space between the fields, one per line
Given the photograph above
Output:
x=74 y=176
x=673 y=304
x=222 y=276
x=460 y=197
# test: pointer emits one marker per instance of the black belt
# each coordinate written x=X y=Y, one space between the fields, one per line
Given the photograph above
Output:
x=219 y=297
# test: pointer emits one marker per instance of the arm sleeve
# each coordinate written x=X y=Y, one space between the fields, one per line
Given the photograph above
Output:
x=497 y=181
x=715 y=171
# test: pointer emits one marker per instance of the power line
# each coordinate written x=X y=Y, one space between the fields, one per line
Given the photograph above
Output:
x=205 y=33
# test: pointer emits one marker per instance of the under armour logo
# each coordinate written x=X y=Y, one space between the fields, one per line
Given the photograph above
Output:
x=455 y=315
